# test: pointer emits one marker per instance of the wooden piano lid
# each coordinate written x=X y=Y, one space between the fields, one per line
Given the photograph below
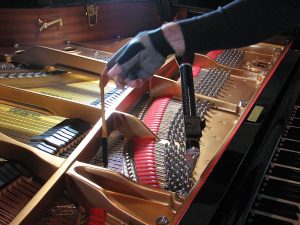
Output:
x=54 y=25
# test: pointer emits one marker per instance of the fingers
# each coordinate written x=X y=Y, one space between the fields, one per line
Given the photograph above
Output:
x=130 y=80
x=120 y=83
x=115 y=74
x=134 y=76
x=135 y=83
x=134 y=63
x=110 y=74
x=104 y=78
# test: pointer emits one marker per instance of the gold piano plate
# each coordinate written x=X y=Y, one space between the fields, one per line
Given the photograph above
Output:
x=71 y=75
x=45 y=56
x=222 y=119
x=257 y=58
x=124 y=199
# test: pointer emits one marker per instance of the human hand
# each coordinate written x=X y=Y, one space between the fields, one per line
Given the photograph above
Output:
x=137 y=61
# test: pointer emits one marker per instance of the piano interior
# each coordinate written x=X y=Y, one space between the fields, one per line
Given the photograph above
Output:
x=52 y=161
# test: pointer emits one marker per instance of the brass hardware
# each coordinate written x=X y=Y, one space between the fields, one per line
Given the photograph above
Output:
x=243 y=103
x=276 y=54
x=258 y=66
x=45 y=25
x=256 y=112
x=92 y=13
x=5 y=58
x=162 y=220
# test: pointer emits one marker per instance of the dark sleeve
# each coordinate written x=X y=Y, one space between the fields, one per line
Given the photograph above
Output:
x=240 y=23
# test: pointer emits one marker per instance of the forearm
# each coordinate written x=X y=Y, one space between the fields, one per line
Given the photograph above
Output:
x=240 y=23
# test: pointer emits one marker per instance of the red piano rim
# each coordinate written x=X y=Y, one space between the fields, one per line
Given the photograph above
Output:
x=210 y=167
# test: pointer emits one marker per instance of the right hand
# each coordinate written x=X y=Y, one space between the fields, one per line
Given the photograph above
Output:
x=137 y=61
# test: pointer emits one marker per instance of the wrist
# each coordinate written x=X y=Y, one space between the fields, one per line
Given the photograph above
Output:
x=173 y=34
x=160 y=43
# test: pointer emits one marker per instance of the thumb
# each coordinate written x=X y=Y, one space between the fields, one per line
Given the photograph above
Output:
x=104 y=78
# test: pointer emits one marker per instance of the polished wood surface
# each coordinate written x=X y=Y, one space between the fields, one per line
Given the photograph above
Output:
x=20 y=27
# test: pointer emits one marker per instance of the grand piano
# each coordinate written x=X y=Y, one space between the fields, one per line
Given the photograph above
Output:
x=69 y=157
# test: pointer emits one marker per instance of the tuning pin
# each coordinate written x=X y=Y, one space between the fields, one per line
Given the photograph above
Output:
x=49 y=69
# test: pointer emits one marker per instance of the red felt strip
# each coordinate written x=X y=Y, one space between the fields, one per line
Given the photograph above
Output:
x=212 y=54
x=97 y=216
x=144 y=149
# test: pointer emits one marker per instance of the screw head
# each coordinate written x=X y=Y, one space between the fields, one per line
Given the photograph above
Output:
x=162 y=220
x=243 y=103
